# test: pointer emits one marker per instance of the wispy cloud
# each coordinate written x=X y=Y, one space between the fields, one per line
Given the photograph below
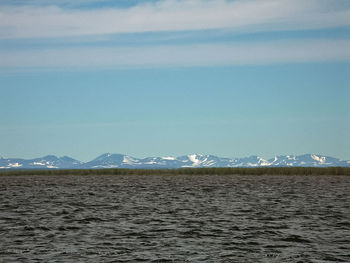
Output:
x=61 y=26
x=173 y=15
x=184 y=55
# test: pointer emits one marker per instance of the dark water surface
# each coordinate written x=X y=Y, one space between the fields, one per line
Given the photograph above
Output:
x=197 y=218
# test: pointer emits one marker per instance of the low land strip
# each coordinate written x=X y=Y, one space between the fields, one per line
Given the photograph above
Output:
x=189 y=171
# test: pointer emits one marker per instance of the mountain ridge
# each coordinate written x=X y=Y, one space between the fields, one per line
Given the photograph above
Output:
x=116 y=160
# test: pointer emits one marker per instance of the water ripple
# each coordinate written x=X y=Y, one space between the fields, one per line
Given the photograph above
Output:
x=175 y=218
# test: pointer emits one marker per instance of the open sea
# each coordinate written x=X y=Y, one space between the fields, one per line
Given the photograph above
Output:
x=175 y=218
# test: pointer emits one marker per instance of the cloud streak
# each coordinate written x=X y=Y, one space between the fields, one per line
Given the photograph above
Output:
x=185 y=55
x=173 y=15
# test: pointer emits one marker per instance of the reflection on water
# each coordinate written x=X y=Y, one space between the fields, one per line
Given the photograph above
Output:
x=175 y=218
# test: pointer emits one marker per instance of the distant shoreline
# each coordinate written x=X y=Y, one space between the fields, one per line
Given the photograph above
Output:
x=188 y=171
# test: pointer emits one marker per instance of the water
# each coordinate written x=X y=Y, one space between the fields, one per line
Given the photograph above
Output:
x=198 y=218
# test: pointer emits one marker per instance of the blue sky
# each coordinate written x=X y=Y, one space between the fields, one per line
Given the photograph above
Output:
x=170 y=77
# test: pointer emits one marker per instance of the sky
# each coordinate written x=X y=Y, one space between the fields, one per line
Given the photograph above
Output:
x=231 y=78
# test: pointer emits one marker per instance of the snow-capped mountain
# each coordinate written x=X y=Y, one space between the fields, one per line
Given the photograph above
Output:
x=109 y=160
x=306 y=160
x=49 y=161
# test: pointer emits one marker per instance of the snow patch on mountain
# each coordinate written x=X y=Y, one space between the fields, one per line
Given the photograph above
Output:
x=14 y=165
x=38 y=163
x=130 y=160
x=193 y=159
x=318 y=158
x=168 y=158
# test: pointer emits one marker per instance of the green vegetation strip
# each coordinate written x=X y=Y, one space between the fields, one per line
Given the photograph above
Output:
x=190 y=171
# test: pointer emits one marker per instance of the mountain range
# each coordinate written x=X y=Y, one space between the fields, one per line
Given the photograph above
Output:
x=109 y=160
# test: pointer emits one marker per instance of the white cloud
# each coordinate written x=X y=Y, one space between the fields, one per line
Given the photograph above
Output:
x=172 y=15
x=184 y=55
